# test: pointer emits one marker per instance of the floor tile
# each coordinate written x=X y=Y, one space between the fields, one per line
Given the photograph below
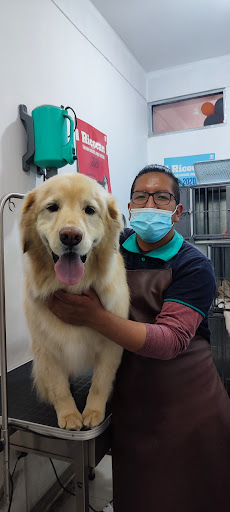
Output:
x=69 y=506
x=101 y=487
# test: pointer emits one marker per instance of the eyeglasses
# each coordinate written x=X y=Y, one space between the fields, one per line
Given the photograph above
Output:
x=160 y=198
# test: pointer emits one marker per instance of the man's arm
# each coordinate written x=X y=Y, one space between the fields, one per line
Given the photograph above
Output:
x=87 y=310
x=174 y=328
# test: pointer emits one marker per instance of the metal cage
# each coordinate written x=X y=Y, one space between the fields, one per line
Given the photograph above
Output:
x=219 y=315
x=211 y=211
x=205 y=222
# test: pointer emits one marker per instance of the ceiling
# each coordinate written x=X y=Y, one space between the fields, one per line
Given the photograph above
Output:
x=168 y=33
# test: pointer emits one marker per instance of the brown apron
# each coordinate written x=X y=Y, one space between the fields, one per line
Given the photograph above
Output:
x=171 y=422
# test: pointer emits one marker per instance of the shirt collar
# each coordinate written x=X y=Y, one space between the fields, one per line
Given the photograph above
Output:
x=164 y=253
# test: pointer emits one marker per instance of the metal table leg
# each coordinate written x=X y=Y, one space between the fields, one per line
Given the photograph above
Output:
x=4 y=429
x=81 y=477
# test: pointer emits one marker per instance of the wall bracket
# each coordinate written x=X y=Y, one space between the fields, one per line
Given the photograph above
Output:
x=28 y=123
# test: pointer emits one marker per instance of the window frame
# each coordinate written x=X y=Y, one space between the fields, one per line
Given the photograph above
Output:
x=176 y=99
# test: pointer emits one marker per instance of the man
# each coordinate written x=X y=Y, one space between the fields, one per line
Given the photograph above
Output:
x=171 y=414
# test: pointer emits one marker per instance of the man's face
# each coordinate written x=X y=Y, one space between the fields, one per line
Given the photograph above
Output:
x=156 y=182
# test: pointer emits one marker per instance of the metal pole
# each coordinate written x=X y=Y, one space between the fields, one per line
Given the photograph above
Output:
x=4 y=430
x=81 y=468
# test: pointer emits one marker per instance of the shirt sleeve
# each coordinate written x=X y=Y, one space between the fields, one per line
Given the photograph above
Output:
x=193 y=282
x=175 y=326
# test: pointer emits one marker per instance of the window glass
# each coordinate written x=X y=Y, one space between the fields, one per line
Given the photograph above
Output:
x=186 y=114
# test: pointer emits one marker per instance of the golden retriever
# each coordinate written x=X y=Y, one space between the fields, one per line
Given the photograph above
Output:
x=70 y=230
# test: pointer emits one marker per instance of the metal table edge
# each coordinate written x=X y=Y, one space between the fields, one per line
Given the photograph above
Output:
x=45 y=430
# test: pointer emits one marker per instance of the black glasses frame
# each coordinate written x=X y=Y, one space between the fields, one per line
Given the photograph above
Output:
x=153 y=194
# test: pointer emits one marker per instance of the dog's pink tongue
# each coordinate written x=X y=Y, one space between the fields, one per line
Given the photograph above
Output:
x=69 y=268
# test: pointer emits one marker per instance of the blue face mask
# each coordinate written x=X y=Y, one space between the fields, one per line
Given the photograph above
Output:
x=151 y=224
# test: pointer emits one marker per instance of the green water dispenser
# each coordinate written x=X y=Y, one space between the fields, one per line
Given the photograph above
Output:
x=48 y=144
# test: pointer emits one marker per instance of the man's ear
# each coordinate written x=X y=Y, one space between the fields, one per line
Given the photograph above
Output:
x=27 y=220
x=178 y=212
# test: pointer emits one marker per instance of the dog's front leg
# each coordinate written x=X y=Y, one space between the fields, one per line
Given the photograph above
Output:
x=105 y=368
x=53 y=386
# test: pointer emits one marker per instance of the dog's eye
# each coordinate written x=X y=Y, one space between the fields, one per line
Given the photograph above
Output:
x=53 y=207
x=89 y=210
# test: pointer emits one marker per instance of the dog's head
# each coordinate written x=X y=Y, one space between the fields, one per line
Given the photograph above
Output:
x=66 y=219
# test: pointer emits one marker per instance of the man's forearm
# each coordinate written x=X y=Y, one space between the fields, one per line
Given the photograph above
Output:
x=126 y=333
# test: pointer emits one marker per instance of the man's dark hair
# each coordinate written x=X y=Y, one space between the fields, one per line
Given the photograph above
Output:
x=163 y=170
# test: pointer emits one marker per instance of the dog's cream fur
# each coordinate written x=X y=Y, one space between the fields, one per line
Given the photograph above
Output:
x=62 y=351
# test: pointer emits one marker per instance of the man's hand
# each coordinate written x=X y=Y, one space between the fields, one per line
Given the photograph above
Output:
x=80 y=310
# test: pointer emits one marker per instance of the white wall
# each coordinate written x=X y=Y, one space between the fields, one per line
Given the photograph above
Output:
x=190 y=79
x=61 y=53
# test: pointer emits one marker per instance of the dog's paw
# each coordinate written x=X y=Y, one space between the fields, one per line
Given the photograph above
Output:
x=92 y=418
x=70 y=421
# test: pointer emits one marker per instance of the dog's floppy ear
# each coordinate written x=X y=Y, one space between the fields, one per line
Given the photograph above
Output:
x=114 y=211
x=27 y=219
x=115 y=224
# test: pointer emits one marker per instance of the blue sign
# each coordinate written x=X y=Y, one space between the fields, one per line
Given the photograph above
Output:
x=182 y=167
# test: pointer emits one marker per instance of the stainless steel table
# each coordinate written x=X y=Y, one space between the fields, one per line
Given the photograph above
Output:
x=33 y=428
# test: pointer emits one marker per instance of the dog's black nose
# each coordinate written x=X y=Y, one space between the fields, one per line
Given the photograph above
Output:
x=70 y=236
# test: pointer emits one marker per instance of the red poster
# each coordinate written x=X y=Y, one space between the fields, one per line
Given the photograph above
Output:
x=92 y=153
